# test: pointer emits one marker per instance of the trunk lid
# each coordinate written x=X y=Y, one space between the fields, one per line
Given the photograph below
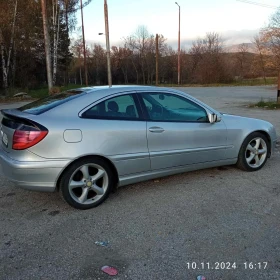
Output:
x=13 y=120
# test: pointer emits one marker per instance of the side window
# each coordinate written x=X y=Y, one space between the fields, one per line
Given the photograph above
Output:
x=120 y=107
x=169 y=107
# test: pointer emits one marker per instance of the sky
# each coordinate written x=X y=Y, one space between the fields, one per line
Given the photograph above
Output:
x=237 y=22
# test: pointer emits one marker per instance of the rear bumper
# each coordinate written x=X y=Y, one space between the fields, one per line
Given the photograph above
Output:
x=35 y=175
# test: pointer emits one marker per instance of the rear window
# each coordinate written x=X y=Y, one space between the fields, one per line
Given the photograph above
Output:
x=42 y=105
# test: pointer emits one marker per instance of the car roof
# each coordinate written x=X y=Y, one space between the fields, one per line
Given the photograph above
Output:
x=114 y=88
x=90 y=95
x=103 y=91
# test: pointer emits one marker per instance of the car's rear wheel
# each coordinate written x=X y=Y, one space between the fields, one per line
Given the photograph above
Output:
x=86 y=183
x=254 y=152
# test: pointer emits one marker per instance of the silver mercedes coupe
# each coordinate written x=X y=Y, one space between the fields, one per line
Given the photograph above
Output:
x=85 y=142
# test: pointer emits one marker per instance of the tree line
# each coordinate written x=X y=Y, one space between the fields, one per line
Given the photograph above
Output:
x=23 y=61
x=22 y=46
x=206 y=62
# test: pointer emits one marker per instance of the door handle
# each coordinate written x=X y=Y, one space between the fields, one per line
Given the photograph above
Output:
x=156 y=129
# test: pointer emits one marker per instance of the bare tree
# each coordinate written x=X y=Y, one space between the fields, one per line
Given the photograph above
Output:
x=207 y=56
x=55 y=27
x=168 y=66
x=196 y=52
x=241 y=58
x=77 y=49
x=270 y=36
x=142 y=46
x=213 y=43
x=129 y=43
x=98 y=62
x=6 y=64
x=47 y=44
x=4 y=68
x=121 y=61
x=138 y=44
x=261 y=58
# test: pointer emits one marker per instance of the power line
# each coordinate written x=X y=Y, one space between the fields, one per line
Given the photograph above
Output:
x=258 y=4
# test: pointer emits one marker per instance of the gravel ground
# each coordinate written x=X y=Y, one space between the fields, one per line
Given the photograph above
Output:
x=157 y=227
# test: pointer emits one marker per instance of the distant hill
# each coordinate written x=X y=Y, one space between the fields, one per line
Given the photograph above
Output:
x=235 y=48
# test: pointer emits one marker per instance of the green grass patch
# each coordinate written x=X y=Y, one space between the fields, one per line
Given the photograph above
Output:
x=244 y=82
x=256 y=82
x=8 y=95
x=271 y=105
x=43 y=92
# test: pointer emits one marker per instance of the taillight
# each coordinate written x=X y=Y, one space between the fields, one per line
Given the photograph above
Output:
x=24 y=139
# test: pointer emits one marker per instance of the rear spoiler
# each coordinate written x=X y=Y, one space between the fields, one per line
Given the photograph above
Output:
x=15 y=113
x=17 y=116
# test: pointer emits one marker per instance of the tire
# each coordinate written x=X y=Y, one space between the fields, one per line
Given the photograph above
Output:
x=254 y=152
x=87 y=183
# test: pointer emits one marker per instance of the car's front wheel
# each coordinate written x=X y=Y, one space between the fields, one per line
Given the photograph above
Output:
x=86 y=183
x=254 y=152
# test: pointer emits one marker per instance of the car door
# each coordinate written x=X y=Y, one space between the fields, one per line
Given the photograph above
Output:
x=115 y=128
x=179 y=132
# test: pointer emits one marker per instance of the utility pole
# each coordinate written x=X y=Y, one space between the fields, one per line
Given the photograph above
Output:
x=157 y=60
x=278 y=89
x=84 y=43
x=107 y=43
x=179 y=46
x=47 y=44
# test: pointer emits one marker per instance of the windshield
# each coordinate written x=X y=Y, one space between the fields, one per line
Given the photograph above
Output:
x=42 y=105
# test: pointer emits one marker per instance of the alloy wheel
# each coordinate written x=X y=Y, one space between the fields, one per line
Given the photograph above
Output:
x=256 y=152
x=88 y=183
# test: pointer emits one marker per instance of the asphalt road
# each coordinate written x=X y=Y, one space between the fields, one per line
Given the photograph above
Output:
x=154 y=228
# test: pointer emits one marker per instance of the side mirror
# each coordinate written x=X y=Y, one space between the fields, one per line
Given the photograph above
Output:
x=213 y=118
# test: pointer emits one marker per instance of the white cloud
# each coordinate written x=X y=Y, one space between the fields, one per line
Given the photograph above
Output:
x=233 y=37
x=230 y=37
